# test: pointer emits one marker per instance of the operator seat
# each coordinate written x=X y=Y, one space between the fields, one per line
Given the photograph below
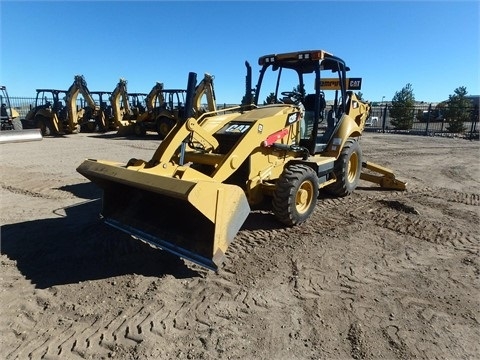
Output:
x=308 y=121
x=309 y=105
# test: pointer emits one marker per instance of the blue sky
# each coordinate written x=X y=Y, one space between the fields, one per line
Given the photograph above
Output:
x=434 y=45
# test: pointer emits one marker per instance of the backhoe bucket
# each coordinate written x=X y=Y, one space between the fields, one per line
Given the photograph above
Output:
x=196 y=220
x=125 y=129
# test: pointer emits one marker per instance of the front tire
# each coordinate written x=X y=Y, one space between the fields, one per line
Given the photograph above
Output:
x=347 y=169
x=295 y=194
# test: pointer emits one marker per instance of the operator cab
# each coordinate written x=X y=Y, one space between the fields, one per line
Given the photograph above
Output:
x=301 y=78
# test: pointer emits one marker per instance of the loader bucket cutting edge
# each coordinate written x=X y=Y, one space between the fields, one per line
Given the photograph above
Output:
x=194 y=220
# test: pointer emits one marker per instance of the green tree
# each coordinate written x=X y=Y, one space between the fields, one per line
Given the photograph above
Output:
x=270 y=99
x=403 y=108
x=457 y=110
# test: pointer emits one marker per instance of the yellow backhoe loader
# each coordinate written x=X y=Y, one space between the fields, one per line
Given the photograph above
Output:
x=52 y=117
x=11 y=129
x=163 y=107
x=49 y=114
x=103 y=98
x=194 y=194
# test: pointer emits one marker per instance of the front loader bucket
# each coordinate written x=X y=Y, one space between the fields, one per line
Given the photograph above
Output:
x=8 y=136
x=196 y=220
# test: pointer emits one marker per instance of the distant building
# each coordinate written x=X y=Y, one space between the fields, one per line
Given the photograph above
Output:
x=475 y=99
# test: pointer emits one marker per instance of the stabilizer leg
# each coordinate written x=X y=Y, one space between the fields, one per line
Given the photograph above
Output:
x=386 y=180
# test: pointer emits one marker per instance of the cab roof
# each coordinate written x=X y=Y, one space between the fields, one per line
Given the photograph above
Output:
x=303 y=61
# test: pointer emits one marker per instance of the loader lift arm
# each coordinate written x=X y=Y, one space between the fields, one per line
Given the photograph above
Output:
x=156 y=94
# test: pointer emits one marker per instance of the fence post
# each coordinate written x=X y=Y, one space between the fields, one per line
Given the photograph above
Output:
x=428 y=118
x=474 y=122
x=384 y=121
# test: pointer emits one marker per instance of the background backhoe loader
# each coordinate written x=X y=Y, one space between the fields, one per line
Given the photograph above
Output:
x=9 y=117
x=194 y=194
x=103 y=99
x=49 y=113
x=53 y=117
x=11 y=126
x=163 y=107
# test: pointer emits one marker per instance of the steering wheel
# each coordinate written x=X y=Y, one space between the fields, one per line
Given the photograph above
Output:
x=294 y=96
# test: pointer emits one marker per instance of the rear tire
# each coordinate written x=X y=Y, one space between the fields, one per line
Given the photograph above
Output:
x=296 y=194
x=91 y=127
x=347 y=169
x=139 y=129
x=43 y=124
x=164 y=126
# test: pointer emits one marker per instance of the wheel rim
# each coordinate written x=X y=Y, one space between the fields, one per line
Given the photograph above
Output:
x=42 y=126
x=304 y=197
x=352 y=170
x=164 y=128
x=91 y=126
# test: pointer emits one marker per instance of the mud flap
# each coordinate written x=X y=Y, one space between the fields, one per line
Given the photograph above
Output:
x=194 y=220
x=8 y=136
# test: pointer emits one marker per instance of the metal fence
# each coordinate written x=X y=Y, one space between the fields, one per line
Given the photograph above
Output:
x=24 y=104
x=21 y=104
x=427 y=121
x=379 y=121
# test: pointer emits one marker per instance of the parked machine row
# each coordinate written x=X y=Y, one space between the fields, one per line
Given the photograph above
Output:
x=58 y=112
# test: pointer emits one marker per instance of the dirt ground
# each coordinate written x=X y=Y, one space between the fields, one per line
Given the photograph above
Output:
x=377 y=275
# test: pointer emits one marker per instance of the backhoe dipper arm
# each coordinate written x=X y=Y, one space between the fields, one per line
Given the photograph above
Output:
x=205 y=87
x=79 y=86
x=120 y=97
x=153 y=95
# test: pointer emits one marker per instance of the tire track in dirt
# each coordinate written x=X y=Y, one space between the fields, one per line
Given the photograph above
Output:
x=190 y=308
x=34 y=184
x=40 y=191
x=391 y=215
x=403 y=218
x=407 y=221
